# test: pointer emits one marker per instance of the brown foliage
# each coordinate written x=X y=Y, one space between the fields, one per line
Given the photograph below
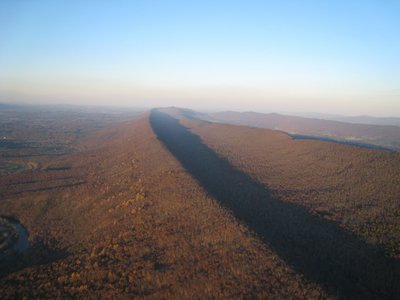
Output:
x=138 y=226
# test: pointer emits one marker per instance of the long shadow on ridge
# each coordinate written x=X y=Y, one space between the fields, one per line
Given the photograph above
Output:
x=319 y=249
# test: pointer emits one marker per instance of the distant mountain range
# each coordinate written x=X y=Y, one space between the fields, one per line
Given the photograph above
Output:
x=351 y=119
x=8 y=106
x=371 y=120
x=346 y=130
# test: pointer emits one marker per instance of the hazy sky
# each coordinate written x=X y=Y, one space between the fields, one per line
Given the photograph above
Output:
x=321 y=56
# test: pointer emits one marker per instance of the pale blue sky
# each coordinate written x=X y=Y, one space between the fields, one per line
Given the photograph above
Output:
x=325 y=56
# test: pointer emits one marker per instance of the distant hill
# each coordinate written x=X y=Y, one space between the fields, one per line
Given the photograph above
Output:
x=362 y=119
x=371 y=120
x=8 y=106
x=378 y=135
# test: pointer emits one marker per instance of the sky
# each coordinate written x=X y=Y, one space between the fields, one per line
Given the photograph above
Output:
x=337 y=57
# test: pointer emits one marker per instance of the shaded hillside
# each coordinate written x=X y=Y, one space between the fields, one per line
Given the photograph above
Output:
x=122 y=218
x=384 y=136
x=317 y=246
x=358 y=187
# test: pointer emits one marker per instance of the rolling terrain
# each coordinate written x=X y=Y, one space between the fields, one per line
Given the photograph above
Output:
x=164 y=205
x=136 y=224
